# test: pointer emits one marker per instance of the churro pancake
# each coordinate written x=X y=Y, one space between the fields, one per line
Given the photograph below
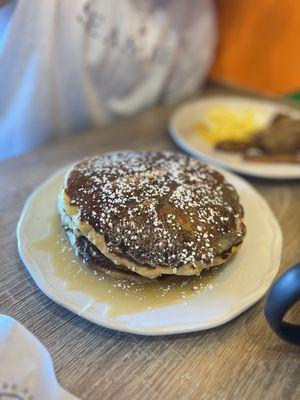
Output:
x=153 y=213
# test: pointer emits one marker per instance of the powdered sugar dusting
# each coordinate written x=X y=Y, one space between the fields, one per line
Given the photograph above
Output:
x=157 y=208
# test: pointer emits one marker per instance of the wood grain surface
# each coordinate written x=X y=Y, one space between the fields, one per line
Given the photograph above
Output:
x=240 y=360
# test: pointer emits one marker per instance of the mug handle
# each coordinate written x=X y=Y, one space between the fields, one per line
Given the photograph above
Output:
x=284 y=293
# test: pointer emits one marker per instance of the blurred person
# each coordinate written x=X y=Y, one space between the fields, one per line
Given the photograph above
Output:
x=68 y=65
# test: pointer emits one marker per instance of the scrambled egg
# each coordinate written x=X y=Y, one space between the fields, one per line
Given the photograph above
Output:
x=220 y=122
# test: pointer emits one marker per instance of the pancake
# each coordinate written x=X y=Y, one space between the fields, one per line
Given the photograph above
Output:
x=151 y=213
x=92 y=256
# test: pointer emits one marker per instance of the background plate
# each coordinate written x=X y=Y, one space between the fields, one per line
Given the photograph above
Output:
x=244 y=280
x=185 y=117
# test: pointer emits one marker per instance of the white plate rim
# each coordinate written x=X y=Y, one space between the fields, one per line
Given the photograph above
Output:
x=246 y=171
x=241 y=306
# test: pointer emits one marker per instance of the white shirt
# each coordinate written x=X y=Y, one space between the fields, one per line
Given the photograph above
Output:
x=67 y=65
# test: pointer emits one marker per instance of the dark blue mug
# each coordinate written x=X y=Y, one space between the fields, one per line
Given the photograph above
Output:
x=284 y=293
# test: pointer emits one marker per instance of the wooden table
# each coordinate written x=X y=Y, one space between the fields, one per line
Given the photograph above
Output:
x=240 y=360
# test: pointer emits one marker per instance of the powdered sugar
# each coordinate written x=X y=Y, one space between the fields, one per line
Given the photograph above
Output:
x=157 y=208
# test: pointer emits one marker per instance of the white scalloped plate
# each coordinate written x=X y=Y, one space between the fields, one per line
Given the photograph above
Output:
x=244 y=280
x=184 y=135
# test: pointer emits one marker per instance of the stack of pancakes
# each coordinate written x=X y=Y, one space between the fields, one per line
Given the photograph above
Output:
x=150 y=214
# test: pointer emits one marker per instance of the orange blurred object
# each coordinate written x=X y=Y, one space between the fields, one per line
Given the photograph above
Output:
x=259 y=44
